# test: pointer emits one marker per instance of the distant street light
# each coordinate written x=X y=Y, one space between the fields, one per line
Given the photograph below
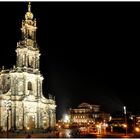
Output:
x=137 y=129
x=124 y=109
x=125 y=117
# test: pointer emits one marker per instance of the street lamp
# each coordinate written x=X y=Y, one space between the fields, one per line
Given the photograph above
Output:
x=125 y=117
x=8 y=108
x=28 y=128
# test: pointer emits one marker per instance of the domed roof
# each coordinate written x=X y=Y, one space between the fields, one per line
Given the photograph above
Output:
x=84 y=105
x=29 y=15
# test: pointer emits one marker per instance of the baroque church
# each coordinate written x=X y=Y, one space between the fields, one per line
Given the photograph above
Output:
x=22 y=104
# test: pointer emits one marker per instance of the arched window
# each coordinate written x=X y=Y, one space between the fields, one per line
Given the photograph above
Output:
x=28 y=62
x=29 y=86
x=23 y=59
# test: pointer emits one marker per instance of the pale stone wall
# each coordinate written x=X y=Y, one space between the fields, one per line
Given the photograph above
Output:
x=21 y=95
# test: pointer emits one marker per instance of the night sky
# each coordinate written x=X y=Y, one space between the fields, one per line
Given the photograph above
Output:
x=89 y=51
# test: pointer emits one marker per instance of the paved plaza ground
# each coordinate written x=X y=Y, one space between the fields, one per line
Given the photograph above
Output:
x=28 y=135
x=64 y=133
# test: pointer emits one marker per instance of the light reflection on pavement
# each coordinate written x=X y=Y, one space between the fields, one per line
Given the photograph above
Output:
x=64 y=133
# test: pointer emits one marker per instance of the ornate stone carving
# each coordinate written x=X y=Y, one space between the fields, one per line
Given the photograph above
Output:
x=23 y=85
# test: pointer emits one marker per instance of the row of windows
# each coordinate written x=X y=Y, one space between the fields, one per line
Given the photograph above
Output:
x=79 y=117
x=94 y=116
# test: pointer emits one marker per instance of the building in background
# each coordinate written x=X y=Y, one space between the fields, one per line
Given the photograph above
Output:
x=86 y=114
x=22 y=104
x=119 y=122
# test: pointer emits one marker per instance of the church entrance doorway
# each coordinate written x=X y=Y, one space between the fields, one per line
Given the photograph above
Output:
x=31 y=122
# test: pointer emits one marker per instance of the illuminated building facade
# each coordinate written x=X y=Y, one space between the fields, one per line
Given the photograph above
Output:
x=87 y=114
x=22 y=104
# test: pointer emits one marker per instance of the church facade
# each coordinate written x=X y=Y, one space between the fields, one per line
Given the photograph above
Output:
x=22 y=104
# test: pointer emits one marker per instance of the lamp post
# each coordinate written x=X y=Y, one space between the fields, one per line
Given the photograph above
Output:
x=125 y=117
x=8 y=108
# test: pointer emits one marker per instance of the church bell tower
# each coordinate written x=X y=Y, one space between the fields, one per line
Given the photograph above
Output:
x=28 y=55
x=21 y=86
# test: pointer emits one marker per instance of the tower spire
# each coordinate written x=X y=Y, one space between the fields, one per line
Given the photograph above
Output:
x=29 y=14
x=29 y=7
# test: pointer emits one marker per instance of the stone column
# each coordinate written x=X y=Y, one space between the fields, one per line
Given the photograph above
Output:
x=40 y=118
x=38 y=124
x=54 y=118
x=0 y=112
x=12 y=118
x=49 y=114
x=23 y=125
x=38 y=62
x=17 y=58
